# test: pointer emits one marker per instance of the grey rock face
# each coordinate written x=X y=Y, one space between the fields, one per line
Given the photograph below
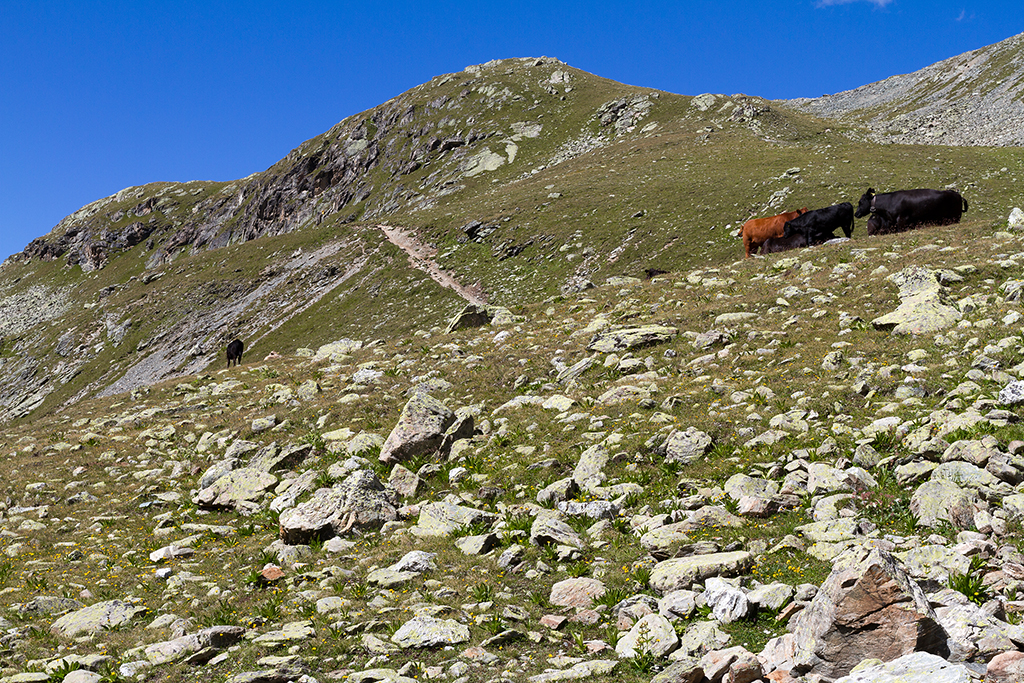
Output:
x=95 y=618
x=631 y=338
x=236 y=488
x=917 y=667
x=687 y=446
x=682 y=572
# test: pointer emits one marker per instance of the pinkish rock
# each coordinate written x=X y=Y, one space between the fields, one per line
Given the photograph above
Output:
x=553 y=621
x=579 y=593
x=1007 y=667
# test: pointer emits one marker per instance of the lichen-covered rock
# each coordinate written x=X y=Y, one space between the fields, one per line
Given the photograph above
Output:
x=442 y=518
x=682 y=572
x=941 y=500
x=653 y=634
x=548 y=529
x=687 y=446
x=234 y=489
x=916 y=667
x=422 y=632
x=360 y=501
x=95 y=618
x=631 y=338
x=420 y=429
x=925 y=307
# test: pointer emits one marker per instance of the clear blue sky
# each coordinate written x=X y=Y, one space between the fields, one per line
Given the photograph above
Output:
x=98 y=95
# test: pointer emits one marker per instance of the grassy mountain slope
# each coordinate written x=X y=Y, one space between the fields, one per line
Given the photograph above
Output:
x=90 y=493
x=530 y=179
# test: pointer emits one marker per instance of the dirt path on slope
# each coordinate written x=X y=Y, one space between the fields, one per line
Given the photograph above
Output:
x=421 y=256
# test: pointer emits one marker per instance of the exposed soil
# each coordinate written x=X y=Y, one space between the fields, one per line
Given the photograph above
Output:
x=421 y=256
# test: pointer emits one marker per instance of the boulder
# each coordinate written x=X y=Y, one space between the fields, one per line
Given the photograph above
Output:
x=442 y=518
x=684 y=447
x=941 y=500
x=925 y=306
x=424 y=631
x=360 y=501
x=868 y=607
x=420 y=429
x=631 y=338
x=579 y=593
x=917 y=667
x=653 y=634
x=97 y=618
x=682 y=572
x=235 y=489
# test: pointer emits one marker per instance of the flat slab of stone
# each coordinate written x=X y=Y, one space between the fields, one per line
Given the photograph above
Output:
x=631 y=338
x=683 y=572
x=96 y=618
x=235 y=487
x=421 y=632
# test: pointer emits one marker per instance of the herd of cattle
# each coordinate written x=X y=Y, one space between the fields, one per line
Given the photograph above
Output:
x=890 y=212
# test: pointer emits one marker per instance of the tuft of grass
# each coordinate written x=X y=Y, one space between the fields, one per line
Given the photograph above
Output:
x=971 y=582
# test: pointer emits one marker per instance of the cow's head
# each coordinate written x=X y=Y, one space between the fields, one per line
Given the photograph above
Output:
x=787 y=230
x=864 y=205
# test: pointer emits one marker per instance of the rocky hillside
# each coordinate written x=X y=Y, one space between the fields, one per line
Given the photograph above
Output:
x=505 y=184
x=976 y=98
x=804 y=468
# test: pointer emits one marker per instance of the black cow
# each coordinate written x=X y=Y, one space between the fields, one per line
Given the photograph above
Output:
x=235 y=351
x=820 y=225
x=774 y=245
x=909 y=208
x=879 y=224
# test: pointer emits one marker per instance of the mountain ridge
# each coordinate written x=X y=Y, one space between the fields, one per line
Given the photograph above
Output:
x=976 y=98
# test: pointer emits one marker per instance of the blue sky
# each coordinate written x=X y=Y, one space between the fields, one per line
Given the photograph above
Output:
x=100 y=95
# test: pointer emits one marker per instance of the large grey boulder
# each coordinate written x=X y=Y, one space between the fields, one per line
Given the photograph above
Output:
x=360 y=501
x=942 y=500
x=868 y=607
x=975 y=635
x=475 y=315
x=686 y=446
x=420 y=429
x=548 y=530
x=443 y=517
x=917 y=667
x=653 y=634
x=683 y=572
x=631 y=338
x=217 y=637
x=235 y=489
x=589 y=471
x=96 y=618
x=423 y=631
x=925 y=306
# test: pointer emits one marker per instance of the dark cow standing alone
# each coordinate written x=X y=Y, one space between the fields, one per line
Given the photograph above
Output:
x=235 y=351
x=820 y=225
x=906 y=209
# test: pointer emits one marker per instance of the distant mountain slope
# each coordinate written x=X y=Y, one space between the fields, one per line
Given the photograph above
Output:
x=511 y=182
x=976 y=98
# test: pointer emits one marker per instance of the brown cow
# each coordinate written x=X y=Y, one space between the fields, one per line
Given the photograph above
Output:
x=757 y=230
